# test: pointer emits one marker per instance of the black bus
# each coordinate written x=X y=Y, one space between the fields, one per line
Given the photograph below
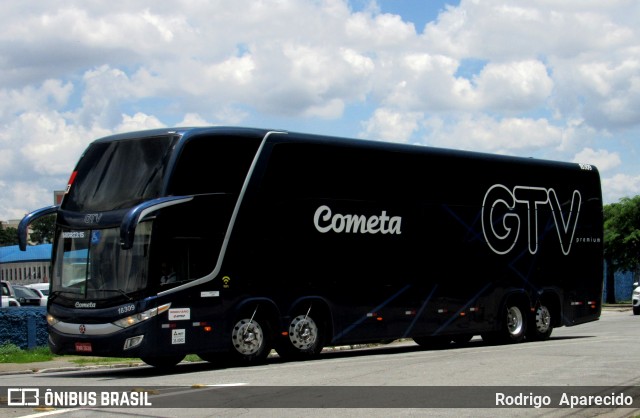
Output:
x=228 y=242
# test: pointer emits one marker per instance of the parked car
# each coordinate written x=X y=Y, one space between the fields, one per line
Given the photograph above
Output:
x=43 y=298
x=7 y=289
x=8 y=301
x=43 y=291
x=42 y=287
x=26 y=296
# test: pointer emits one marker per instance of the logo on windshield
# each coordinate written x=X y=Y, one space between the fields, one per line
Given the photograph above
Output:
x=92 y=218
x=73 y=234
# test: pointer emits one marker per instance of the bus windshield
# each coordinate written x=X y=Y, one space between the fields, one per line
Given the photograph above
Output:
x=89 y=264
x=119 y=174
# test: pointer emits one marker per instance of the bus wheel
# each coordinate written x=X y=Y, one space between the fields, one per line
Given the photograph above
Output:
x=304 y=339
x=163 y=362
x=433 y=342
x=251 y=340
x=540 y=328
x=515 y=325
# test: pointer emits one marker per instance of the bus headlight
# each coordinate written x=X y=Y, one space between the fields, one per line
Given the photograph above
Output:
x=141 y=317
x=51 y=320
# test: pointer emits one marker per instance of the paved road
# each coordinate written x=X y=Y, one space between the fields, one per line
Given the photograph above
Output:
x=601 y=354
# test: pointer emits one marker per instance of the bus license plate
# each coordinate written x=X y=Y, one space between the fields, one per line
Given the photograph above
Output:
x=83 y=347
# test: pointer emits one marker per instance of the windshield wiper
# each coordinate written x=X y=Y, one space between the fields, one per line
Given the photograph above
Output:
x=57 y=293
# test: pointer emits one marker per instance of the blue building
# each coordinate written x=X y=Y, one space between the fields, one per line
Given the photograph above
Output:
x=25 y=267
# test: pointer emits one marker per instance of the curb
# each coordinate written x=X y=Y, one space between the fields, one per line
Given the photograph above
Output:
x=52 y=369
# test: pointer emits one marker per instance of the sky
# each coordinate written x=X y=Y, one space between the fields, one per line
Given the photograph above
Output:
x=545 y=79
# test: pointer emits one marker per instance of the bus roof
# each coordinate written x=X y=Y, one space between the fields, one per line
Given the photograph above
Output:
x=185 y=133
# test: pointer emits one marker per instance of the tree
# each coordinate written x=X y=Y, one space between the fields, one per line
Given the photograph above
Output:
x=621 y=240
x=42 y=229
x=8 y=236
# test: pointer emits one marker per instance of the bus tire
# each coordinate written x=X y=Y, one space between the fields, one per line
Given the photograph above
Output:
x=163 y=362
x=250 y=340
x=515 y=324
x=304 y=339
x=512 y=326
x=541 y=326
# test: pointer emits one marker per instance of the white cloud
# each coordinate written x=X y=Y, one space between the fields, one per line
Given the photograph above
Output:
x=618 y=186
x=193 y=119
x=50 y=93
x=602 y=158
x=104 y=89
x=380 y=30
x=138 y=122
x=589 y=49
x=513 y=86
x=329 y=110
x=388 y=125
x=22 y=197
x=482 y=133
x=557 y=78
x=44 y=144
x=236 y=70
x=500 y=30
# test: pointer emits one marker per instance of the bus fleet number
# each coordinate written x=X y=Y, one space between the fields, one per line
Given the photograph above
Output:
x=126 y=309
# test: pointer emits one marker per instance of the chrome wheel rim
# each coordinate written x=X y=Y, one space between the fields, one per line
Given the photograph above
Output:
x=543 y=319
x=514 y=321
x=303 y=332
x=247 y=337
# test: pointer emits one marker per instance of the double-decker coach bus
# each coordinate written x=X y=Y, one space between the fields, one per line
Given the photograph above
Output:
x=236 y=240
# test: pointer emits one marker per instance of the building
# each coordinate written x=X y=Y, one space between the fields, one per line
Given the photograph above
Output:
x=12 y=223
x=25 y=267
x=31 y=266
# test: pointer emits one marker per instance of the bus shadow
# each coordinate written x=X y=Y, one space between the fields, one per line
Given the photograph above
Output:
x=393 y=348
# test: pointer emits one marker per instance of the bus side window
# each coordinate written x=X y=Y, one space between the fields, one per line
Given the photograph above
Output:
x=188 y=260
x=168 y=274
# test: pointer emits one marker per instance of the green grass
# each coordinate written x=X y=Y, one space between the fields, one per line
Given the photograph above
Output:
x=84 y=361
x=10 y=353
